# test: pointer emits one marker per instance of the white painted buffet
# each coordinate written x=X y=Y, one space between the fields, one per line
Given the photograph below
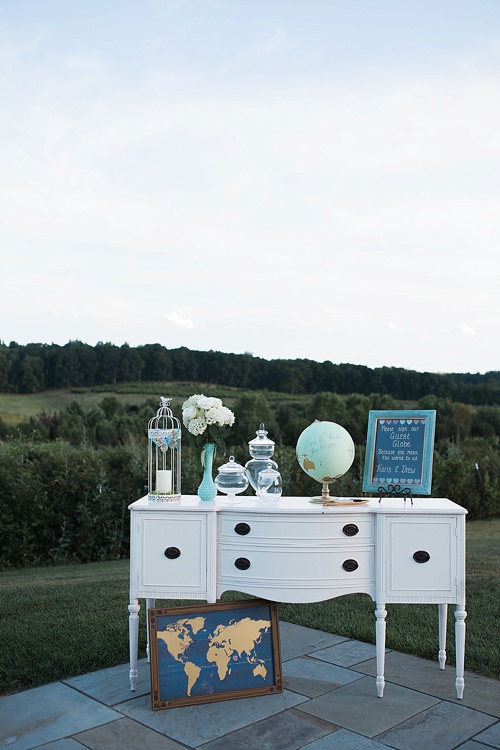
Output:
x=392 y=550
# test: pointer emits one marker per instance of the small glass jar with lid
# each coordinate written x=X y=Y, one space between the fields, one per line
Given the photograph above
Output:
x=231 y=480
x=261 y=448
x=269 y=486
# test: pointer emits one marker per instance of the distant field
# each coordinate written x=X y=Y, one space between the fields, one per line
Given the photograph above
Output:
x=16 y=408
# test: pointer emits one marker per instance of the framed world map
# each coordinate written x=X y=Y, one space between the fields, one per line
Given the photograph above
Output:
x=213 y=652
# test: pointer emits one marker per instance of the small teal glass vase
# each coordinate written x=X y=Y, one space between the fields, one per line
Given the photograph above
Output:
x=207 y=489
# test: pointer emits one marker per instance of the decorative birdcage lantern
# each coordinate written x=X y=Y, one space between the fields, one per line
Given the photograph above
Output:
x=164 y=456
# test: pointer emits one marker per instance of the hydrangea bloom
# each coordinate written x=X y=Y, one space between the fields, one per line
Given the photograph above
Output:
x=197 y=426
x=207 y=419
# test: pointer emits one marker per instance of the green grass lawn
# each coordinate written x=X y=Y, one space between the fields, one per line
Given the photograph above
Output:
x=64 y=621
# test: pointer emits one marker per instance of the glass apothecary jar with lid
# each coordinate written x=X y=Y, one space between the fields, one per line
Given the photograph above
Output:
x=269 y=486
x=231 y=480
x=261 y=448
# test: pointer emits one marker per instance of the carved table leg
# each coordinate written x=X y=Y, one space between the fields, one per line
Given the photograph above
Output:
x=133 y=629
x=443 y=617
x=380 y=614
x=460 y=615
x=150 y=603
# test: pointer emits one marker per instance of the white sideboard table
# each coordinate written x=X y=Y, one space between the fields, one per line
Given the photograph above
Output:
x=392 y=550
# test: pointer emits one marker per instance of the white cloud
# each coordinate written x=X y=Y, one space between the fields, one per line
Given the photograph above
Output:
x=468 y=330
x=271 y=42
x=11 y=48
x=395 y=327
x=180 y=321
x=88 y=62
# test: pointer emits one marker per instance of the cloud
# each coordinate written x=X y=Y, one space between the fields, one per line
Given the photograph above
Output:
x=177 y=320
x=89 y=62
x=468 y=330
x=11 y=49
x=394 y=327
x=273 y=41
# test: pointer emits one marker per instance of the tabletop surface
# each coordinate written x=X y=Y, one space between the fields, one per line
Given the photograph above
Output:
x=248 y=504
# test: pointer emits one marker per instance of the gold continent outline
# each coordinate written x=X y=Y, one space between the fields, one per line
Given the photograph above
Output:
x=177 y=639
x=241 y=637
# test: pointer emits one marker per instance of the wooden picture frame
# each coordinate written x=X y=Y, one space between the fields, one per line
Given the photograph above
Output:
x=213 y=652
x=399 y=452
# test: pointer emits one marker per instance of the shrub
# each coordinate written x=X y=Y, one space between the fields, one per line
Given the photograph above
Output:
x=63 y=504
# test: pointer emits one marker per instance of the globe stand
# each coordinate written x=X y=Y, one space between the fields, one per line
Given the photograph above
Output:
x=325 y=493
x=325 y=496
x=326 y=499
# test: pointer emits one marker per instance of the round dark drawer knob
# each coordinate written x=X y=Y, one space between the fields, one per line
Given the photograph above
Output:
x=350 y=565
x=242 y=529
x=350 y=529
x=242 y=563
x=421 y=556
x=172 y=553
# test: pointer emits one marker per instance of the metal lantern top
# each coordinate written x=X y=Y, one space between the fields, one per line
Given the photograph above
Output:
x=164 y=428
x=164 y=455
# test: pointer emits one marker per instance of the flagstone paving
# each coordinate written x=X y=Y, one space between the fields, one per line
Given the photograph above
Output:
x=329 y=702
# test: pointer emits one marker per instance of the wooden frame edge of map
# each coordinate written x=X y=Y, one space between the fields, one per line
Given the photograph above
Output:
x=399 y=452
x=201 y=629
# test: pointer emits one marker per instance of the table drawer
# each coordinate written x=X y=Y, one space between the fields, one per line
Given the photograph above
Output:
x=283 y=567
x=288 y=530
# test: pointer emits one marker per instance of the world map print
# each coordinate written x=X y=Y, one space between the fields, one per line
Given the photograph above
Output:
x=214 y=652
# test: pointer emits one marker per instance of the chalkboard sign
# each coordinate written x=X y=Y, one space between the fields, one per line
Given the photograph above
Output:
x=399 y=452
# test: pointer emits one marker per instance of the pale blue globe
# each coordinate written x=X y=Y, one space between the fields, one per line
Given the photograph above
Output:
x=325 y=451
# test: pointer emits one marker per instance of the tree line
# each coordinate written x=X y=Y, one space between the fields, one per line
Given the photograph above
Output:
x=32 y=368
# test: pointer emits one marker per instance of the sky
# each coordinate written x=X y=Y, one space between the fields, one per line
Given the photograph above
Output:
x=297 y=179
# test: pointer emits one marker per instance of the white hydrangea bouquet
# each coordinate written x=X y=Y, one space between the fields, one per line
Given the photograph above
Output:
x=207 y=421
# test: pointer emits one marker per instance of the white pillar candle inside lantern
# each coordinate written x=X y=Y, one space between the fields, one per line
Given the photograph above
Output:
x=164 y=480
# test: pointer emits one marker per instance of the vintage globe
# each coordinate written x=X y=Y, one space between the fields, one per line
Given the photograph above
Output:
x=325 y=451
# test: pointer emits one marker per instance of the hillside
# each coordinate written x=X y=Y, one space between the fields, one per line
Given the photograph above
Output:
x=34 y=368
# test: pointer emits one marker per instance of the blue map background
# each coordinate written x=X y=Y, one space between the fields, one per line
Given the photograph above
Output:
x=173 y=681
